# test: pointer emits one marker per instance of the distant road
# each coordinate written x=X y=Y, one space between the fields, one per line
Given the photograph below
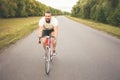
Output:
x=83 y=54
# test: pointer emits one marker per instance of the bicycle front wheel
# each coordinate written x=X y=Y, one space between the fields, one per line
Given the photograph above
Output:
x=47 y=61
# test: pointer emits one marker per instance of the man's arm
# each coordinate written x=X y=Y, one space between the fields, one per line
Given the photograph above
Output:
x=40 y=27
x=56 y=32
x=55 y=28
x=40 y=31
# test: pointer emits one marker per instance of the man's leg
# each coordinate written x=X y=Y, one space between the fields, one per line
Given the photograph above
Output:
x=54 y=45
x=54 y=42
x=43 y=42
x=44 y=33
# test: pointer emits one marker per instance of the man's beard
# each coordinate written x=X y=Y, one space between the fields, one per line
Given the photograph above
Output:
x=48 y=21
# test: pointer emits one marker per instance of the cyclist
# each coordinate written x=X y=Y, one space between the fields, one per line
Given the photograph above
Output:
x=48 y=25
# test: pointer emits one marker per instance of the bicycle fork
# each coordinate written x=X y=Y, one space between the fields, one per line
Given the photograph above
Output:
x=48 y=47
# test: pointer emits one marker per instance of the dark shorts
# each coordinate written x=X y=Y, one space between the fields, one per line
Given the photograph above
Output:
x=47 y=32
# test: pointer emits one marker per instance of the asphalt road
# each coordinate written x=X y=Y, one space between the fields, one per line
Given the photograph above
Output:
x=83 y=54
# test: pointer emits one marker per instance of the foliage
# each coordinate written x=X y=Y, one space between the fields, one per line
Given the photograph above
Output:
x=105 y=11
x=24 y=8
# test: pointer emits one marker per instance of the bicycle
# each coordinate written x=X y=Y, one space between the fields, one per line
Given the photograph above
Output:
x=48 y=53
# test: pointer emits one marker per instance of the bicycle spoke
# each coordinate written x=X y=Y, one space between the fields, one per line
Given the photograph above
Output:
x=47 y=61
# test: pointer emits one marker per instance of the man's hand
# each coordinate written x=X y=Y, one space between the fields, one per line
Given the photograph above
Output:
x=39 y=40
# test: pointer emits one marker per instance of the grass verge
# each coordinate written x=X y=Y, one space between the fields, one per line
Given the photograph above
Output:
x=113 y=30
x=14 y=29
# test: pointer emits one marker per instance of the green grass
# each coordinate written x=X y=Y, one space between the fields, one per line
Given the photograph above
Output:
x=14 y=29
x=113 y=30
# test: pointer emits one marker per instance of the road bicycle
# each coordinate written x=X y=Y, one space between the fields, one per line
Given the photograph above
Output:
x=48 y=53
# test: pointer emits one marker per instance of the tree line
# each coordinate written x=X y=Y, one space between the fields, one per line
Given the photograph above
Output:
x=105 y=11
x=24 y=8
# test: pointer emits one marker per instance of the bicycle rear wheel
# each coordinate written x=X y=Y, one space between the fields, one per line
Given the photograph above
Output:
x=47 y=61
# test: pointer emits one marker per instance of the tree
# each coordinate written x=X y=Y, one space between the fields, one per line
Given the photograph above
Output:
x=105 y=11
x=24 y=8
x=114 y=19
x=4 y=8
x=21 y=10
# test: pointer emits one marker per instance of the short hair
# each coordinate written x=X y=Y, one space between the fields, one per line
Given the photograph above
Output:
x=48 y=12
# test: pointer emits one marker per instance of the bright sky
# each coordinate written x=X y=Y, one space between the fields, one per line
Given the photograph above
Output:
x=64 y=5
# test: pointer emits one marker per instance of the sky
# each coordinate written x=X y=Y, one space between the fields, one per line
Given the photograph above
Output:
x=64 y=5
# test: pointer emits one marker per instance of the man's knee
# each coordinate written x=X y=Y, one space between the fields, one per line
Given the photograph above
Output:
x=43 y=40
x=54 y=41
x=53 y=33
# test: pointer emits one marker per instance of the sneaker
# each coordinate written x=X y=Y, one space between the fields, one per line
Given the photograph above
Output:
x=54 y=53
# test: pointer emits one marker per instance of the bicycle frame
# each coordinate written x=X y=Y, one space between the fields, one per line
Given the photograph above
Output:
x=48 y=56
x=48 y=41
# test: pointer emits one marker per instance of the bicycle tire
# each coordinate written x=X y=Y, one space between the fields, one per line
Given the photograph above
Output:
x=51 y=56
x=47 y=61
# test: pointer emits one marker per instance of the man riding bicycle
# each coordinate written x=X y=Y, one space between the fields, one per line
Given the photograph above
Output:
x=48 y=25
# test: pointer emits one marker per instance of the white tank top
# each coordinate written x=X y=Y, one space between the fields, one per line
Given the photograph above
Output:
x=53 y=23
x=48 y=26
